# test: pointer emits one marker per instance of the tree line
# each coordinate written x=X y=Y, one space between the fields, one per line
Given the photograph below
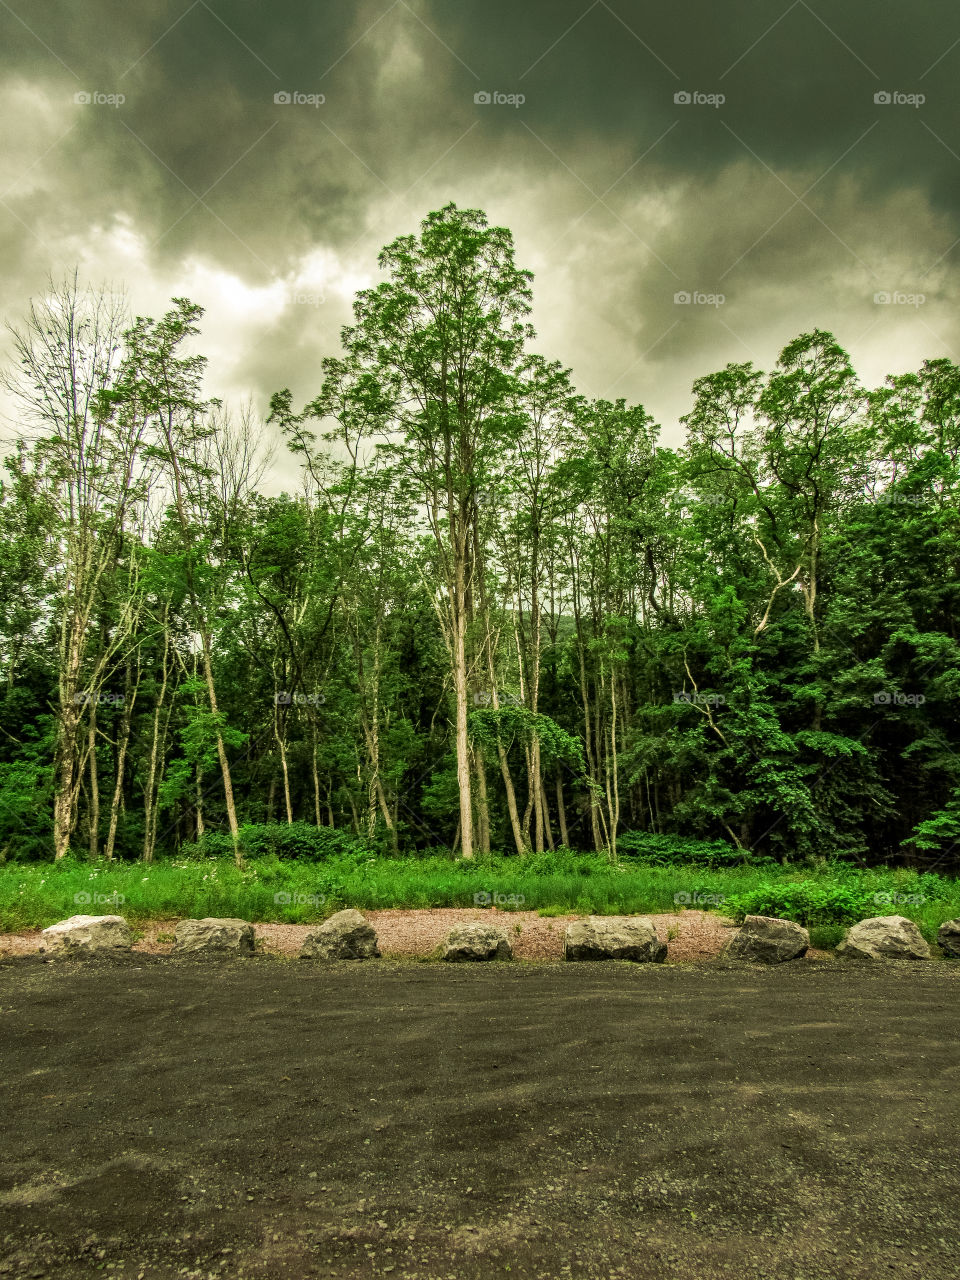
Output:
x=491 y=614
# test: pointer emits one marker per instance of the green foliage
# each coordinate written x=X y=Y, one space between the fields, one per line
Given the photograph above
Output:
x=565 y=862
x=564 y=882
x=281 y=840
x=673 y=851
x=940 y=833
x=211 y=846
x=511 y=724
x=25 y=823
x=729 y=655
x=842 y=896
x=301 y=841
x=806 y=902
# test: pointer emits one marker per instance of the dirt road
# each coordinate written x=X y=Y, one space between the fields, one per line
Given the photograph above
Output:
x=269 y=1118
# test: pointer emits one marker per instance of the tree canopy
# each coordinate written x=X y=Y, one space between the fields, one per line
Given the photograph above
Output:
x=491 y=614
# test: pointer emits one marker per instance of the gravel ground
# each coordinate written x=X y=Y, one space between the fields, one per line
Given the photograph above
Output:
x=690 y=935
x=166 y=1119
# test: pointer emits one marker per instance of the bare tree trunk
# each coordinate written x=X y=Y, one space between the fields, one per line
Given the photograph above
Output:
x=94 y=809
x=591 y=761
x=221 y=750
x=545 y=808
x=129 y=697
x=536 y=775
x=353 y=810
x=513 y=812
x=461 y=693
x=65 y=751
x=562 y=814
x=614 y=770
x=528 y=809
x=150 y=798
x=282 y=745
x=483 y=809
x=316 y=776
x=198 y=807
x=511 y=795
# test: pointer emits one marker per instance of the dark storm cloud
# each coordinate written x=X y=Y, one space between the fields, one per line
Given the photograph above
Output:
x=798 y=79
x=199 y=81
x=199 y=119
x=796 y=200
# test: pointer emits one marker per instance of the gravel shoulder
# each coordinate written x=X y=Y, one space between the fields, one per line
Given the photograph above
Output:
x=690 y=935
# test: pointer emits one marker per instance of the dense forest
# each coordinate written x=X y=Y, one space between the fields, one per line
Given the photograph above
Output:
x=491 y=614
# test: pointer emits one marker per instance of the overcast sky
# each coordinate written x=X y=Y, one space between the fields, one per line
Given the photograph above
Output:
x=783 y=186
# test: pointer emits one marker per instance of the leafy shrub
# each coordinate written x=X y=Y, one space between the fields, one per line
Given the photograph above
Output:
x=304 y=842
x=825 y=937
x=288 y=841
x=430 y=852
x=299 y=840
x=211 y=845
x=564 y=862
x=807 y=902
x=844 y=895
x=674 y=851
x=26 y=826
x=927 y=883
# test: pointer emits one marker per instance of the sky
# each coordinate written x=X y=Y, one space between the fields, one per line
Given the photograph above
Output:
x=691 y=183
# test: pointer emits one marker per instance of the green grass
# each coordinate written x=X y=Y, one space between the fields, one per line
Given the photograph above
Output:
x=33 y=895
x=824 y=937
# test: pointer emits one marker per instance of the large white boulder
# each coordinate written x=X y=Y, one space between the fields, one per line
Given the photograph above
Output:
x=884 y=938
x=768 y=940
x=477 y=942
x=948 y=939
x=87 y=936
x=344 y=936
x=213 y=936
x=613 y=938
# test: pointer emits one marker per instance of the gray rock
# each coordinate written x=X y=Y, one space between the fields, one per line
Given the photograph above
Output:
x=477 y=942
x=212 y=936
x=613 y=938
x=948 y=938
x=768 y=940
x=87 y=936
x=345 y=936
x=884 y=938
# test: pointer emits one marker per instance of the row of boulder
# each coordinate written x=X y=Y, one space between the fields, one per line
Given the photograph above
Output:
x=348 y=936
x=768 y=940
x=345 y=936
